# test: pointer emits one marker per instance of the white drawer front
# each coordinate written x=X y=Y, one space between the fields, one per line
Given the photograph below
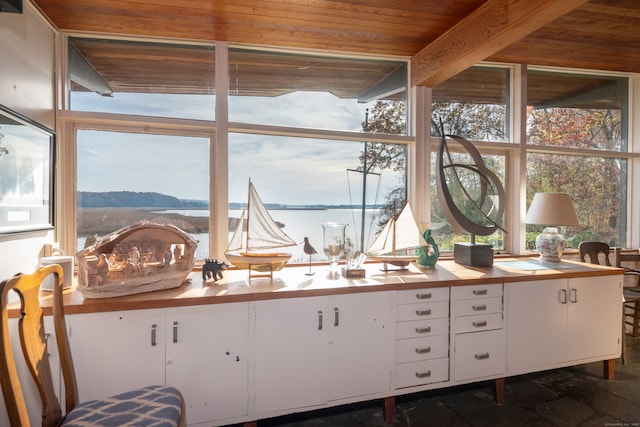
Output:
x=479 y=355
x=422 y=295
x=476 y=291
x=470 y=307
x=422 y=328
x=432 y=310
x=424 y=372
x=414 y=349
x=482 y=322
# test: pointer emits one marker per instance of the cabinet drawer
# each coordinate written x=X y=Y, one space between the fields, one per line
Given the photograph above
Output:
x=476 y=291
x=423 y=372
x=432 y=310
x=423 y=295
x=422 y=328
x=414 y=349
x=482 y=322
x=471 y=307
x=479 y=355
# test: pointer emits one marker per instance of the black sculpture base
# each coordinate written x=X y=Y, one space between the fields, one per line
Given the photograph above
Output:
x=473 y=254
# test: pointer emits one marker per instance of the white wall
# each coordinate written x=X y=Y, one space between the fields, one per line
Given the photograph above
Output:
x=27 y=86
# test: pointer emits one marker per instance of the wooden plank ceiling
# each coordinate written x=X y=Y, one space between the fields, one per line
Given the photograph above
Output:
x=442 y=38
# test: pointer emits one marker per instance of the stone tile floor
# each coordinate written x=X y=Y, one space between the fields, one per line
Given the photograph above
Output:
x=569 y=397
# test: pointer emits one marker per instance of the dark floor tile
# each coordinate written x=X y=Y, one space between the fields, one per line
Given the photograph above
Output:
x=565 y=412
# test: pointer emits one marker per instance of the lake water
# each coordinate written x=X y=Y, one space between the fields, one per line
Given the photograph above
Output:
x=299 y=224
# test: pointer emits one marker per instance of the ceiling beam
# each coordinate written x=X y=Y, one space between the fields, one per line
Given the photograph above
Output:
x=490 y=28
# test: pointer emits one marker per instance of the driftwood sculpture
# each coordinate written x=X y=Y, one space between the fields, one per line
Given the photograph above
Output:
x=143 y=257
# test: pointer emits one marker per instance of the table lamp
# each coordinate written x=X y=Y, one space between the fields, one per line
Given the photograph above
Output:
x=551 y=209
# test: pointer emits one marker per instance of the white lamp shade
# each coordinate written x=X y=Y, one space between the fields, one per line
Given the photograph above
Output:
x=551 y=209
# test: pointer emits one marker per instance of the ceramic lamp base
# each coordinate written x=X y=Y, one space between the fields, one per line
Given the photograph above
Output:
x=550 y=244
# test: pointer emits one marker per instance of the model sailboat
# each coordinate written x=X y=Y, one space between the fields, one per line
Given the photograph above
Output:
x=398 y=240
x=253 y=249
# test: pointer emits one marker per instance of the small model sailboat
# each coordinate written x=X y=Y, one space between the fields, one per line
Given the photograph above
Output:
x=397 y=241
x=251 y=249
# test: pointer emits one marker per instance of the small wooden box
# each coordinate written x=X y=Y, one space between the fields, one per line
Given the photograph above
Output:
x=352 y=272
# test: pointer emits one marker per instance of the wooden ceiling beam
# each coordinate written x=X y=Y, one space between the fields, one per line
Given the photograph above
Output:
x=492 y=27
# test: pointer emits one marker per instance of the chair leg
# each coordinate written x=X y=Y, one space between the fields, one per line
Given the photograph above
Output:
x=636 y=318
x=624 y=337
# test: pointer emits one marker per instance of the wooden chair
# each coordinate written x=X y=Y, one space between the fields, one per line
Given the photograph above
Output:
x=597 y=251
x=631 y=293
x=153 y=405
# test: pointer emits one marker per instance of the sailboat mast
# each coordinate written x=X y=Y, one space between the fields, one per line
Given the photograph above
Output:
x=364 y=182
x=248 y=216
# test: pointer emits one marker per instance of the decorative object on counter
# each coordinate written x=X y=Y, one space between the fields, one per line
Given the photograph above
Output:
x=333 y=235
x=355 y=259
x=142 y=257
x=428 y=255
x=212 y=269
x=250 y=248
x=397 y=242
x=551 y=209
x=472 y=199
x=309 y=250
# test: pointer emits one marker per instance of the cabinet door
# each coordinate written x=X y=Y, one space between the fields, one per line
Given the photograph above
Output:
x=290 y=353
x=207 y=359
x=595 y=316
x=117 y=351
x=361 y=344
x=537 y=324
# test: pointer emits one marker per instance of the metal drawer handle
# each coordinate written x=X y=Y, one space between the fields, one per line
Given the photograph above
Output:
x=562 y=295
x=423 y=296
x=482 y=356
x=573 y=295
x=336 y=316
x=319 y=320
x=423 y=350
x=423 y=312
x=480 y=292
x=423 y=374
x=175 y=332
x=154 y=328
x=482 y=307
x=480 y=324
x=423 y=330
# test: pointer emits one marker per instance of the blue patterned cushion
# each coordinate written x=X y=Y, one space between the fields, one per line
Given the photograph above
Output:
x=156 y=406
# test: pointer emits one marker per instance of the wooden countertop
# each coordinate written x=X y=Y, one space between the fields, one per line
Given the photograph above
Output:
x=293 y=282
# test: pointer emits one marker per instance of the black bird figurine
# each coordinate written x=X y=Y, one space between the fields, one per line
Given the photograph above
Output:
x=309 y=250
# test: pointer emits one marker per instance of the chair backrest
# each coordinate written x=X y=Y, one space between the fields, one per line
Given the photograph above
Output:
x=34 y=348
x=594 y=250
x=627 y=257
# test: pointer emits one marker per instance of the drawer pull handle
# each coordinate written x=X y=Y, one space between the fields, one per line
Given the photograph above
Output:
x=481 y=324
x=483 y=356
x=423 y=330
x=336 y=316
x=480 y=292
x=154 y=328
x=423 y=296
x=482 y=307
x=320 y=320
x=175 y=332
x=423 y=374
x=423 y=312
x=423 y=350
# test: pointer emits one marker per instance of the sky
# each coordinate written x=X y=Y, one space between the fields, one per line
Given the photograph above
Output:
x=284 y=170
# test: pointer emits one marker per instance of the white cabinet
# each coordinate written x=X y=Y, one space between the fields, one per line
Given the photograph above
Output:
x=422 y=337
x=207 y=359
x=202 y=350
x=309 y=351
x=117 y=351
x=480 y=348
x=563 y=321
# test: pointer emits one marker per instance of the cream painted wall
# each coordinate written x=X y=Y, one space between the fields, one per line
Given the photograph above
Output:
x=27 y=86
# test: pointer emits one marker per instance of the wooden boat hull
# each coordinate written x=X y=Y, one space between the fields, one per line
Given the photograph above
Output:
x=397 y=260
x=262 y=262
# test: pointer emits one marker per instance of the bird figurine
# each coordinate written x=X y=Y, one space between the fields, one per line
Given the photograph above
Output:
x=309 y=250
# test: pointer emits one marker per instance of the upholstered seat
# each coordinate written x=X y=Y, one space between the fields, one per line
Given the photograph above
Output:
x=155 y=405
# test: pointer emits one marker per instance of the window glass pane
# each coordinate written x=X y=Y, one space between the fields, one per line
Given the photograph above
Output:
x=305 y=183
x=576 y=110
x=150 y=79
x=124 y=178
x=283 y=89
x=444 y=233
x=597 y=186
x=473 y=105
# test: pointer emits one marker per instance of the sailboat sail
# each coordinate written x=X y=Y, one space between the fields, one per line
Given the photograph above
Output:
x=399 y=234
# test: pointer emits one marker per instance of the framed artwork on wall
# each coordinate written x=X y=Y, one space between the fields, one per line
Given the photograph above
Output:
x=27 y=151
